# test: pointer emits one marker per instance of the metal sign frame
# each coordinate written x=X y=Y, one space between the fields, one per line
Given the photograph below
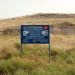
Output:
x=35 y=42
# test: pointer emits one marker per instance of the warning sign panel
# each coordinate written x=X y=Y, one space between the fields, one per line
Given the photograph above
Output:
x=35 y=34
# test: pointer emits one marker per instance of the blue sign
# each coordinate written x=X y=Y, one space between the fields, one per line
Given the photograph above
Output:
x=35 y=34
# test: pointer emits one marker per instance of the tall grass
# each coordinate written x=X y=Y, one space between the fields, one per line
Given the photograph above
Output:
x=34 y=61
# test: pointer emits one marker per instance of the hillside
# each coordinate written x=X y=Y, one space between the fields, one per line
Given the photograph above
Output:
x=34 y=58
x=60 y=23
x=52 y=19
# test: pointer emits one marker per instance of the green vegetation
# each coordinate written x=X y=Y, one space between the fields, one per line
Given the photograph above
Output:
x=33 y=60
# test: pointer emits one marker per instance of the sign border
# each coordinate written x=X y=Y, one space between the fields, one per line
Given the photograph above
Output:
x=37 y=43
x=35 y=25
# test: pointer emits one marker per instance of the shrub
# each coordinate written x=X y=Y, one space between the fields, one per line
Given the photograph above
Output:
x=18 y=46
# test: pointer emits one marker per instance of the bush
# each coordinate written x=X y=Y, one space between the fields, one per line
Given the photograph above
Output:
x=18 y=46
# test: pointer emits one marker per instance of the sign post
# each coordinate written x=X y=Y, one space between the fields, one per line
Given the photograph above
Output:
x=49 y=42
x=35 y=34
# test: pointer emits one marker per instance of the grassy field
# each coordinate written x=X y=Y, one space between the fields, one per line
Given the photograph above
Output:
x=34 y=59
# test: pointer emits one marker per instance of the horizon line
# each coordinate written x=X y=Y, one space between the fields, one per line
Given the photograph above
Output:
x=35 y=14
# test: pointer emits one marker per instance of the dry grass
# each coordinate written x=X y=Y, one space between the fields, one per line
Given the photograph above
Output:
x=56 y=41
x=7 y=41
x=62 y=41
x=33 y=60
x=36 y=19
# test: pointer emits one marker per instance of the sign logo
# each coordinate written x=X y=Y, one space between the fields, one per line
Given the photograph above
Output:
x=35 y=34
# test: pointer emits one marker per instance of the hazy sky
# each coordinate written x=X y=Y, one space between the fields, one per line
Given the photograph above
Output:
x=14 y=8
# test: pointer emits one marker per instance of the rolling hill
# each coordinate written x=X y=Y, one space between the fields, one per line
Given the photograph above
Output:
x=33 y=59
x=52 y=19
x=60 y=23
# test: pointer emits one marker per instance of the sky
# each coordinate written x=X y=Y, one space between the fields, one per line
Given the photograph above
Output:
x=15 y=8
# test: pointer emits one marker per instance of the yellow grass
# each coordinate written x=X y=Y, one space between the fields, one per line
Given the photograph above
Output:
x=56 y=41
